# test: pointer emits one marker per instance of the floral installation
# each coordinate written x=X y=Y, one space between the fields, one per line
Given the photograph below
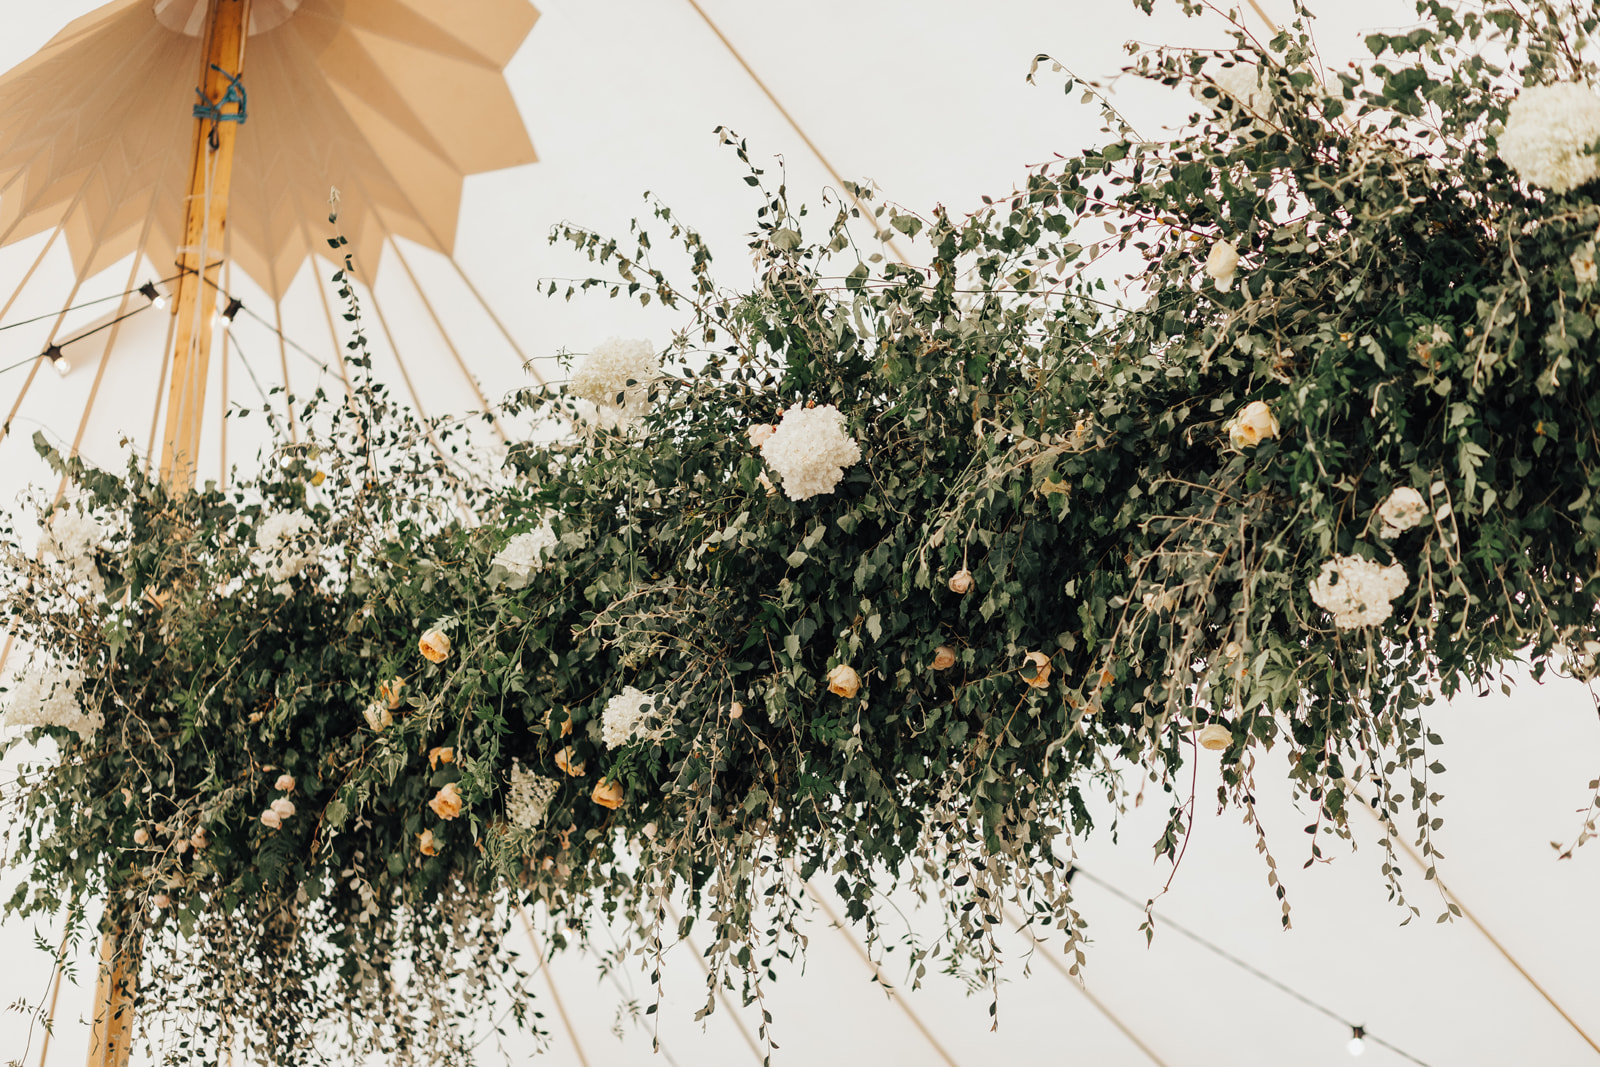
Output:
x=1068 y=527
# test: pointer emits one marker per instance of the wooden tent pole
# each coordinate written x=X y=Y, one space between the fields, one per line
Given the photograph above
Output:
x=204 y=224
x=111 y=1036
x=205 y=216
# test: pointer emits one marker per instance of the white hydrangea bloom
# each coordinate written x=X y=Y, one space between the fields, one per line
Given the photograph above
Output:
x=45 y=693
x=1240 y=83
x=624 y=715
x=529 y=797
x=529 y=551
x=1403 y=510
x=1358 y=591
x=1547 y=132
x=286 y=546
x=810 y=450
x=72 y=538
x=603 y=375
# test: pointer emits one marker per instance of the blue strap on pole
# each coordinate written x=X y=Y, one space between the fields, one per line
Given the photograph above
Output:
x=205 y=109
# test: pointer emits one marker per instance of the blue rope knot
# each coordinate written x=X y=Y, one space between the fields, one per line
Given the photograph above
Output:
x=205 y=109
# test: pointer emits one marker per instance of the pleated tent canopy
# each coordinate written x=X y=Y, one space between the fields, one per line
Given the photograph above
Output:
x=393 y=102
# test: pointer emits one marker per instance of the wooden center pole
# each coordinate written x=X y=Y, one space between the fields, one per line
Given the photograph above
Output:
x=116 y=983
x=199 y=256
x=205 y=221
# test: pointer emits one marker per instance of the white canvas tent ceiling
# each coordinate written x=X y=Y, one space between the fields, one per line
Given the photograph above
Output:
x=927 y=98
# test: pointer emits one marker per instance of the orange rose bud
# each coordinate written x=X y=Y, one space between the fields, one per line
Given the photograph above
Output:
x=608 y=795
x=446 y=803
x=566 y=761
x=437 y=756
x=426 y=845
x=944 y=657
x=390 y=690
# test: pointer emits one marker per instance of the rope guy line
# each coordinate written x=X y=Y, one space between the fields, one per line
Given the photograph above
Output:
x=1466 y=913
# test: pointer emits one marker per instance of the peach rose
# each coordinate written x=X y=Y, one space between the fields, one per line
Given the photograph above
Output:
x=141 y=836
x=437 y=756
x=425 y=843
x=737 y=711
x=1253 y=425
x=1215 y=737
x=608 y=795
x=283 y=808
x=270 y=819
x=566 y=761
x=390 y=690
x=944 y=657
x=161 y=900
x=284 y=784
x=434 y=646
x=1041 y=676
x=446 y=803
x=843 y=681
x=760 y=432
x=199 y=839
x=961 y=581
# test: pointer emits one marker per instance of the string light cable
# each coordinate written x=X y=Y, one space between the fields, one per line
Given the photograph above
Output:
x=1359 y=1034
x=147 y=290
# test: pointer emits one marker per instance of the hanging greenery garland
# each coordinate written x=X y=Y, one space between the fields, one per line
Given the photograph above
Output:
x=876 y=573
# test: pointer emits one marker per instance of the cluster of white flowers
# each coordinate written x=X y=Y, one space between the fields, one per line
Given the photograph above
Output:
x=529 y=797
x=810 y=450
x=1548 y=133
x=527 y=552
x=1358 y=591
x=287 y=547
x=72 y=538
x=624 y=716
x=602 y=376
x=1403 y=510
x=1583 y=264
x=1241 y=83
x=46 y=694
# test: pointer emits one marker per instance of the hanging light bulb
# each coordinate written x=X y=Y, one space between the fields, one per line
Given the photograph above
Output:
x=149 y=291
x=226 y=314
x=1358 y=1043
x=58 y=360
